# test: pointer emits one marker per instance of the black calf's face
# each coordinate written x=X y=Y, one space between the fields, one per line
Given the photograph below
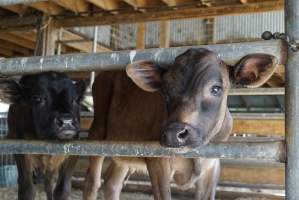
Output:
x=55 y=103
x=195 y=88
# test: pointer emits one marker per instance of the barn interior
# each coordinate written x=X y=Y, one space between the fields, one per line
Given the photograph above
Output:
x=64 y=27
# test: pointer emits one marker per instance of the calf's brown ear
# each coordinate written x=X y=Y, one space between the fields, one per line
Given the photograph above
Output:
x=254 y=70
x=146 y=75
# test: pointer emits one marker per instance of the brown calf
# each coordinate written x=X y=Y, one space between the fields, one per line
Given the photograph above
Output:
x=182 y=105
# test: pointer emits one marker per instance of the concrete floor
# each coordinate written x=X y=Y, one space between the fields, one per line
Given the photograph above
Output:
x=11 y=194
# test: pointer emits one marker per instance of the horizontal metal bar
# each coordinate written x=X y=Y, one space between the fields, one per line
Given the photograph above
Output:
x=14 y=2
x=256 y=91
x=271 y=151
x=117 y=60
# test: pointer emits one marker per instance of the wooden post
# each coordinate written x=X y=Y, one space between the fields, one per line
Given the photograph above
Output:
x=140 y=39
x=164 y=34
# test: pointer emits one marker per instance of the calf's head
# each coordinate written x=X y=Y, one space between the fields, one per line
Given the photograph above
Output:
x=195 y=89
x=54 y=101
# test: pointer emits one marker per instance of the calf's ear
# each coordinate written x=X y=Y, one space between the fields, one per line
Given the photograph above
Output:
x=10 y=91
x=253 y=70
x=146 y=75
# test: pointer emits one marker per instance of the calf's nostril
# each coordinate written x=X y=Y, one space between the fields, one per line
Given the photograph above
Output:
x=183 y=134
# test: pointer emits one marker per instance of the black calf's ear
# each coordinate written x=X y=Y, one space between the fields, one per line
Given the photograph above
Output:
x=146 y=75
x=81 y=88
x=10 y=91
x=254 y=70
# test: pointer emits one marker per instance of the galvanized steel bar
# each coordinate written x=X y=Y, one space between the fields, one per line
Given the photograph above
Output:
x=292 y=102
x=256 y=91
x=14 y=2
x=270 y=151
x=118 y=60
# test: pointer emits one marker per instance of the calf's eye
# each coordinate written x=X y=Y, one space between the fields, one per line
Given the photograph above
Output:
x=216 y=90
x=38 y=100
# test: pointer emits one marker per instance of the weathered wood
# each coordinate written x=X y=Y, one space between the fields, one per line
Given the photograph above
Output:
x=267 y=151
x=140 y=37
x=200 y=12
x=261 y=127
x=116 y=60
x=164 y=34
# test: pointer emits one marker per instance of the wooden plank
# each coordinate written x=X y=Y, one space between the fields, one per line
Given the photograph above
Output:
x=177 y=2
x=17 y=40
x=164 y=34
x=253 y=175
x=140 y=38
x=106 y=4
x=51 y=36
x=19 y=9
x=47 y=7
x=76 y=6
x=143 y=3
x=84 y=46
x=6 y=53
x=15 y=48
x=234 y=9
x=260 y=127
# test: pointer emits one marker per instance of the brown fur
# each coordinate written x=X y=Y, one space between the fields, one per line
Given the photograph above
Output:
x=124 y=112
x=147 y=111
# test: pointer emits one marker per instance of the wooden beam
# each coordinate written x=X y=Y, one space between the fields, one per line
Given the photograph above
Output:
x=19 y=9
x=164 y=34
x=51 y=36
x=106 y=4
x=177 y=2
x=260 y=127
x=200 y=12
x=6 y=52
x=47 y=7
x=143 y=3
x=84 y=46
x=17 y=40
x=15 y=48
x=253 y=174
x=140 y=38
x=76 y=6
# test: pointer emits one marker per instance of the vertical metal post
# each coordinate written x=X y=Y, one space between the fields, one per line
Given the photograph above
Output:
x=292 y=102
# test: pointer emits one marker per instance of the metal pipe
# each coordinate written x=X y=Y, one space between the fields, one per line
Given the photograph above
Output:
x=267 y=151
x=117 y=60
x=14 y=2
x=292 y=102
x=256 y=91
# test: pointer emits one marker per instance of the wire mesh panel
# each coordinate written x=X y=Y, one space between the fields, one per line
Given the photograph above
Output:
x=8 y=170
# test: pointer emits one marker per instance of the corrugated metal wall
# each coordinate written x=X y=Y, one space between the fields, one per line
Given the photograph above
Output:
x=247 y=27
x=222 y=29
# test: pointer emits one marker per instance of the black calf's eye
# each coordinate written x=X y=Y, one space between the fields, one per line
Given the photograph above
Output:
x=38 y=100
x=216 y=90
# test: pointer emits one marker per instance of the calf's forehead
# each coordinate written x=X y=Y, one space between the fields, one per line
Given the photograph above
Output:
x=53 y=86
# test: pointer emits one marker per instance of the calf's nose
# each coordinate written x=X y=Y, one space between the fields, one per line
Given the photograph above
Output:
x=176 y=135
x=64 y=121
